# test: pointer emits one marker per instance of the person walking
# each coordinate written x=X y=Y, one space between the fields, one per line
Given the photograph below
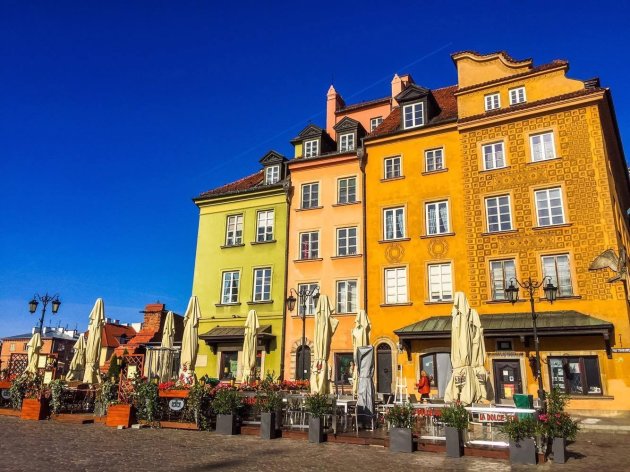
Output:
x=424 y=385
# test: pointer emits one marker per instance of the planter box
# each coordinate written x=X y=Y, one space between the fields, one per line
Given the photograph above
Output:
x=454 y=442
x=119 y=415
x=400 y=440
x=226 y=424
x=34 y=409
x=268 y=425
x=5 y=384
x=523 y=451
x=315 y=430
x=559 y=450
x=174 y=393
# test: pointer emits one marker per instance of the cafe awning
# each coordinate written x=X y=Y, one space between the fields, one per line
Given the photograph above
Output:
x=235 y=335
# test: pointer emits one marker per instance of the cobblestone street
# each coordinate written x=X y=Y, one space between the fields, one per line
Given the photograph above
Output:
x=47 y=445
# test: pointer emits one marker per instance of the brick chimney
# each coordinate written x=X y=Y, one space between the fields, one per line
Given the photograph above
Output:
x=333 y=103
x=399 y=83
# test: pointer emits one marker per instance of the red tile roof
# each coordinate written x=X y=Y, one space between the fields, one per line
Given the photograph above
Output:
x=111 y=332
x=240 y=185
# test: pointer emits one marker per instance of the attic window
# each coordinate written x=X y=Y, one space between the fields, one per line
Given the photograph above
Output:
x=272 y=175
x=346 y=142
x=413 y=115
x=374 y=122
x=311 y=148
x=492 y=101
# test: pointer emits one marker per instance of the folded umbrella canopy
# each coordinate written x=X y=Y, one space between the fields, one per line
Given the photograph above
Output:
x=32 y=349
x=92 y=372
x=365 y=396
x=77 y=364
x=360 y=337
x=248 y=367
x=325 y=327
x=478 y=361
x=190 y=339
x=165 y=356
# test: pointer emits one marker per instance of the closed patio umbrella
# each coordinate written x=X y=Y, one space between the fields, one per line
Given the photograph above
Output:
x=365 y=395
x=479 y=356
x=325 y=328
x=92 y=372
x=248 y=367
x=360 y=337
x=77 y=364
x=32 y=349
x=190 y=340
x=165 y=357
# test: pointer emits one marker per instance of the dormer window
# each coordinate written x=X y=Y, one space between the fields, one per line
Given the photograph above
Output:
x=374 y=122
x=493 y=101
x=517 y=95
x=311 y=148
x=272 y=175
x=346 y=142
x=413 y=115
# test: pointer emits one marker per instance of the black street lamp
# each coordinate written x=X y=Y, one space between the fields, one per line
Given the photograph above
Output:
x=550 y=293
x=46 y=299
x=304 y=293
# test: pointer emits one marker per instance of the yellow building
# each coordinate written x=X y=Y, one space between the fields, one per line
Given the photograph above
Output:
x=515 y=172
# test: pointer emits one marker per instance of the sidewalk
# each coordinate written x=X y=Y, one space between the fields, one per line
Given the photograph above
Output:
x=616 y=424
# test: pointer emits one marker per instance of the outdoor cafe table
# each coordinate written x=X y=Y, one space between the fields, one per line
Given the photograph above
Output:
x=345 y=403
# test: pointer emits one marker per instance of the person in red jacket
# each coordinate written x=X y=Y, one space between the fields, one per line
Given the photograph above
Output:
x=424 y=385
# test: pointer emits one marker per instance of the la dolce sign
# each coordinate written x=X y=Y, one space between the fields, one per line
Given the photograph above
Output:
x=176 y=404
x=493 y=417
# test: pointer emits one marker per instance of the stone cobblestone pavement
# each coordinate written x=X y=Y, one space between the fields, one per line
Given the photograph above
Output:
x=48 y=445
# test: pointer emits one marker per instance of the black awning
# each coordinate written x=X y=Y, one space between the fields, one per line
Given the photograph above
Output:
x=236 y=335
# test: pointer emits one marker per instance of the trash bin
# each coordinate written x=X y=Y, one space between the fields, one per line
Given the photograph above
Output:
x=524 y=401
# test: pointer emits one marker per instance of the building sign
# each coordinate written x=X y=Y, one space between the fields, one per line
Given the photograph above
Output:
x=6 y=394
x=493 y=417
x=176 y=404
x=621 y=350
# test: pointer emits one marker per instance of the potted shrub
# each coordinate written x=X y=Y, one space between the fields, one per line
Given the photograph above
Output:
x=522 y=443
x=455 y=418
x=557 y=426
x=146 y=400
x=317 y=405
x=269 y=402
x=226 y=404
x=27 y=394
x=401 y=419
x=56 y=388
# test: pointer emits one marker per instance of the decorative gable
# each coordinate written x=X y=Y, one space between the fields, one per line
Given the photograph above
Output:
x=412 y=93
x=346 y=125
x=310 y=132
x=272 y=158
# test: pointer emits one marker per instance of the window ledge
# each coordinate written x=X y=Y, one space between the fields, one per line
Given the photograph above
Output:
x=299 y=317
x=385 y=305
x=431 y=172
x=567 y=297
x=309 y=260
x=350 y=313
x=594 y=396
x=265 y=302
x=518 y=103
x=349 y=256
x=505 y=231
x=227 y=304
x=307 y=209
x=562 y=225
x=544 y=160
x=255 y=243
x=427 y=236
x=495 y=169
x=392 y=178
x=441 y=302
x=497 y=302
x=228 y=246
x=346 y=204
x=385 y=241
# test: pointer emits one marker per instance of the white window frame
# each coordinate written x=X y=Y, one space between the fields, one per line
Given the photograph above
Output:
x=262 y=284
x=234 y=230
x=265 y=220
x=545 y=212
x=346 y=142
x=564 y=289
x=350 y=196
x=272 y=174
x=500 y=264
x=389 y=167
x=310 y=303
x=375 y=122
x=514 y=95
x=233 y=278
x=311 y=148
x=499 y=213
x=394 y=211
x=497 y=156
x=433 y=230
x=397 y=291
x=431 y=159
x=344 y=245
x=312 y=202
x=543 y=146
x=347 y=296
x=492 y=101
x=441 y=287
x=416 y=118
x=312 y=240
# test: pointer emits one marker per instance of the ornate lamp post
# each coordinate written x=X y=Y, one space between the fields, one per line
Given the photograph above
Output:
x=530 y=288
x=45 y=300
x=304 y=294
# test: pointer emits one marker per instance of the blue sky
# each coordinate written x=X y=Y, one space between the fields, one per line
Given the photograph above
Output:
x=115 y=114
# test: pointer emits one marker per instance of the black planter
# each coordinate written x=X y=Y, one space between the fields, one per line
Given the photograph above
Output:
x=559 y=450
x=268 y=425
x=400 y=440
x=315 y=430
x=226 y=424
x=454 y=442
x=523 y=451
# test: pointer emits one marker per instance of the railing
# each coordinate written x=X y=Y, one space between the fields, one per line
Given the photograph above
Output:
x=77 y=400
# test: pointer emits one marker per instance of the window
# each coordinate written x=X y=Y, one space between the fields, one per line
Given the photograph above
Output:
x=493 y=156
x=310 y=195
x=549 y=207
x=498 y=213
x=234 y=230
x=493 y=101
x=394 y=223
x=346 y=241
x=262 y=284
x=393 y=168
x=309 y=309
x=346 y=142
x=517 y=95
x=396 y=285
x=303 y=363
x=413 y=115
x=440 y=282
x=576 y=375
x=347 y=296
x=438 y=369
x=12 y=347
x=501 y=273
x=311 y=148
x=374 y=122
x=542 y=147
x=504 y=345
x=344 y=365
x=437 y=218
x=230 y=287
x=229 y=365
x=434 y=160
x=347 y=190
x=264 y=226
x=272 y=175
x=309 y=245
x=557 y=267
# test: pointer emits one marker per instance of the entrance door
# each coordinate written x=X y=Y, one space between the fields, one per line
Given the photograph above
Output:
x=384 y=368
x=507 y=379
